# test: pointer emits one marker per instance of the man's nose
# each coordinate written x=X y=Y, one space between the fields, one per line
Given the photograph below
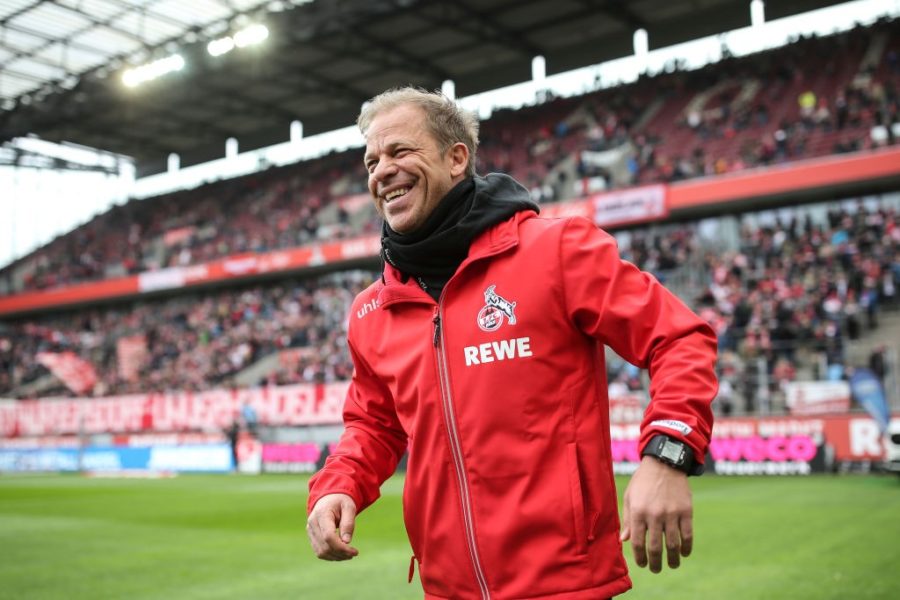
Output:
x=384 y=169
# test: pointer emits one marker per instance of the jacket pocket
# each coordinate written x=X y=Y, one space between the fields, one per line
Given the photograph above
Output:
x=577 y=495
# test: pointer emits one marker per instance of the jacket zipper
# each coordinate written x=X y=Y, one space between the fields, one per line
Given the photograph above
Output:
x=456 y=450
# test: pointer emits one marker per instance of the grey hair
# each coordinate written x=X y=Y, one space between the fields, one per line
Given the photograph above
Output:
x=447 y=122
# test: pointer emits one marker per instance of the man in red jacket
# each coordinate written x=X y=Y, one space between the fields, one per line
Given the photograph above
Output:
x=480 y=351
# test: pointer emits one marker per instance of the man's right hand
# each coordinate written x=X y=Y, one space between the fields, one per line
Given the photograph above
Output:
x=330 y=527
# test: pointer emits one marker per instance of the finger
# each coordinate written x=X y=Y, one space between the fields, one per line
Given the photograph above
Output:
x=336 y=547
x=654 y=545
x=687 y=535
x=326 y=542
x=673 y=543
x=639 y=531
x=626 y=522
x=348 y=521
x=318 y=546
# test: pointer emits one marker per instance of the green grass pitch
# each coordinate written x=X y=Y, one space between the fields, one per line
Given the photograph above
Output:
x=222 y=537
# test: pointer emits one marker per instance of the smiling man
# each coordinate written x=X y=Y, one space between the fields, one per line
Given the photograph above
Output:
x=481 y=353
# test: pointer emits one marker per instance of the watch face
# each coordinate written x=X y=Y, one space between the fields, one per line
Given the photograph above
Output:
x=672 y=451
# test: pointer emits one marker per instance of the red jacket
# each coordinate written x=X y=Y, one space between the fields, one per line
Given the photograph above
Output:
x=500 y=393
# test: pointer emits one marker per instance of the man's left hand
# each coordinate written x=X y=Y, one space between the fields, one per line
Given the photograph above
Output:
x=658 y=505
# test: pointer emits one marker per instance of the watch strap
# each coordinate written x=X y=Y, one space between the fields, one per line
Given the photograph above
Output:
x=674 y=453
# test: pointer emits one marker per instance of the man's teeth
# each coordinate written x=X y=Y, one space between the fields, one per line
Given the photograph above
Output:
x=391 y=195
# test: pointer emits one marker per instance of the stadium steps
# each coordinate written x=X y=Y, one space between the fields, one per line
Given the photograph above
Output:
x=361 y=217
x=858 y=351
x=34 y=388
x=252 y=375
x=886 y=334
x=648 y=114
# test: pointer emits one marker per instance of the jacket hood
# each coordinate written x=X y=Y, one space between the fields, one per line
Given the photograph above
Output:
x=495 y=192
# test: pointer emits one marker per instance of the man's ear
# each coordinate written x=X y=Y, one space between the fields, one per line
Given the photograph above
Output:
x=459 y=159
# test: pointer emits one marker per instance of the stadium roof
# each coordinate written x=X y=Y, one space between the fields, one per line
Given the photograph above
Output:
x=61 y=61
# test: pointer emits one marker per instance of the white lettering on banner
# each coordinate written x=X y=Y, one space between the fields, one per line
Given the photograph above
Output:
x=240 y=266
x=275 y=261
x=196 y=273
x=630 y=205
x=303 y=404
x=625 y=432
x=170 y=412
x=812 y=427
x=297 y=401
x=817 y=397
x=163 y=279
x=734 y=428
x=41 y=460
x=113 y=414
x=48 y=416
x=266 y=403
x=367 y=246
x=560 y=210
x=763 y=468
x=865 y=438
x=7 y=418
x=498 y=350
x=102 y=461
x=190 y=458
x=332 y=408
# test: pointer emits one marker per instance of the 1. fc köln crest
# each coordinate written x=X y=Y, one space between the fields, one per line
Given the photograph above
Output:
x=496 y=309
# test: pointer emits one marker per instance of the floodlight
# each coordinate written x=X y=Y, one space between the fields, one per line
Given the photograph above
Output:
x=220 y=46
x=248 y=36
x=138 y=75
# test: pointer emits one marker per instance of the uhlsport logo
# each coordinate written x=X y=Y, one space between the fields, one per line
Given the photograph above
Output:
x=496 y=309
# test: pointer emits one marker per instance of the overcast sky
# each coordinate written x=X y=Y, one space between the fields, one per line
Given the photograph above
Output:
x=37 y=205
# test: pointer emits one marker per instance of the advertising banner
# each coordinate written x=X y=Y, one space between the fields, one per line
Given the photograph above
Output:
x=628 y=206
x=200 y=458
x=869 y=393
x=627 y=407
x=817 y=397
x=197 y=458
x=73 y=459
x=772 y=445
x=303 y=404
x=290 y=458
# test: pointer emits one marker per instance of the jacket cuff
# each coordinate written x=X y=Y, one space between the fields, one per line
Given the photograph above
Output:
x=322 y=484
x=675 y=430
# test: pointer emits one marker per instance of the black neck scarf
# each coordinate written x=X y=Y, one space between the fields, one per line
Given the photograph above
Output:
x=432 y=253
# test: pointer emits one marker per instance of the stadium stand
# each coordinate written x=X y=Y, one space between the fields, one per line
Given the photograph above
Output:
x=822 y=96
x=783 y=296
x=784 y=302
x=194 y=342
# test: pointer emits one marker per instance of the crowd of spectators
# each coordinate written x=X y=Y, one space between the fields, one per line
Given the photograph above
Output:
x=793 y=294
x=813 y=97
x=196 y=341
x=784 y=301
x=812 y=92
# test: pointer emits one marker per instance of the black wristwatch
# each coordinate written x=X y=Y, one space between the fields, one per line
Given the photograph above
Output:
x=674 y=453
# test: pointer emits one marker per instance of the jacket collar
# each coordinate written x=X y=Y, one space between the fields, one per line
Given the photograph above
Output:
x=499 y=238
